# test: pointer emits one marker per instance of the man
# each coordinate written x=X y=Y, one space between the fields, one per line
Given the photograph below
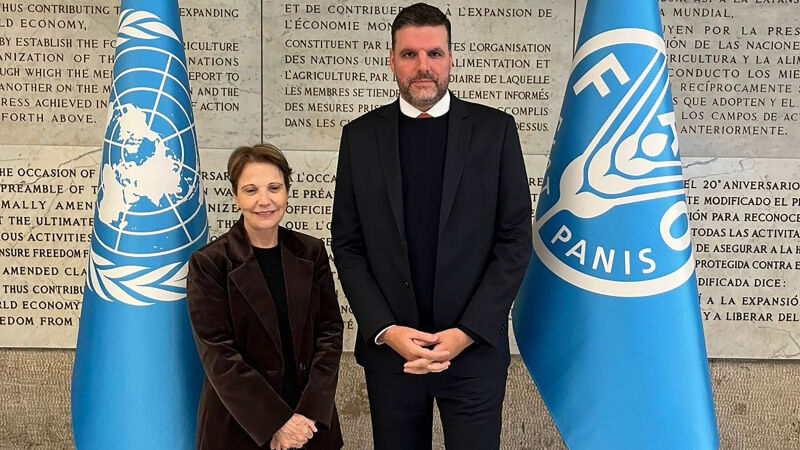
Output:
x=431 y=237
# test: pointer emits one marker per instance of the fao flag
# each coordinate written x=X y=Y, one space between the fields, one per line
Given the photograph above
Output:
x=137 y=377
x=608 y=321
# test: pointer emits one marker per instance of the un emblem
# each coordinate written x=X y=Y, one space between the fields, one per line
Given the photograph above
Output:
x=150 y=208
x=612 y=215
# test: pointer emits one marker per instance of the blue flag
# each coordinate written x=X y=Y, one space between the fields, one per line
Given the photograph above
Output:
x=608 y=321
x=137 y=376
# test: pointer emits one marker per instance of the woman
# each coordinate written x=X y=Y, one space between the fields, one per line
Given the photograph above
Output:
x=266 y=321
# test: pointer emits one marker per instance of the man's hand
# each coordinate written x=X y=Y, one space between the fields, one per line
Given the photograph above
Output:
x=422 y=366
x=453 y=341
x=411 y=344
x=294 y=433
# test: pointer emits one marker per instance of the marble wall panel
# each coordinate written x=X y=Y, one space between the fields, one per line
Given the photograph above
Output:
x=56 y=59
x=326 y=63
x=746 y=230
x=734 y=77
x=47 y=196
x=734 y=73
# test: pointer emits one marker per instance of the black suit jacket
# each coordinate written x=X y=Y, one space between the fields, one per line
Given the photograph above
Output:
x=484 y=233
x=236 y=330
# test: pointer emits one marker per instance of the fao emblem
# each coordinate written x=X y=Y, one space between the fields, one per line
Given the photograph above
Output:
x=612 y=218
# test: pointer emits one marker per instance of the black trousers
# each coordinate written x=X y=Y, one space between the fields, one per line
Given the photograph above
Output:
x=401 y=407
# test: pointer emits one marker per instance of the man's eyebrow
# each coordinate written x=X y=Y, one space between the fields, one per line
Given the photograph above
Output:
x=405 y=49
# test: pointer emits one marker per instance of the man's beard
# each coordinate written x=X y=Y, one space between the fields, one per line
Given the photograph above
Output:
x=427 y=98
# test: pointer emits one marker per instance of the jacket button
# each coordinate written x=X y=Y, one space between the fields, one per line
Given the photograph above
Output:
x=302 y=367
x=406 y=285
x=402 y=243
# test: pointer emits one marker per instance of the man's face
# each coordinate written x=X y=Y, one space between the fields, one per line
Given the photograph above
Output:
x=421 y=62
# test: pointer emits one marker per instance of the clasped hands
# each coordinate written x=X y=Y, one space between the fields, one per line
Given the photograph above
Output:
x=425 y=352
x=294 y=433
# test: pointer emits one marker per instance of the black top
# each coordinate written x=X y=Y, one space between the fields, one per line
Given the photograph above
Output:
x=423 y=143
x=269 y=259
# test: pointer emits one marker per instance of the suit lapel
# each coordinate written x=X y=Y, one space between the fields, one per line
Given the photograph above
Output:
x=299 y=276
x=458 y=139
x=250 y=281
x=389 y=155
x=459 y=130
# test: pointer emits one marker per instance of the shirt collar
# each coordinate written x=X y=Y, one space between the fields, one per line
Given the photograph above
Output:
x=441 y=107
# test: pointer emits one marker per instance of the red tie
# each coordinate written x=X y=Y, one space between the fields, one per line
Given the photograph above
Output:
x=424 y=116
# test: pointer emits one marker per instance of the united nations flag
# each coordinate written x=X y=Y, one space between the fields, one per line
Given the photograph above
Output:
x=137 y=376
x=608 y=320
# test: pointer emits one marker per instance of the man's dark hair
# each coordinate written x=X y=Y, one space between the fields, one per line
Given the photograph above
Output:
x=420 y=15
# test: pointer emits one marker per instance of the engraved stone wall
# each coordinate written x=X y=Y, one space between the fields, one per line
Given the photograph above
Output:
x=294 y=73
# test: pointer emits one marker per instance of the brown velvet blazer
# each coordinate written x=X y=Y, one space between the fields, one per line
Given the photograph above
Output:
x=235 y=325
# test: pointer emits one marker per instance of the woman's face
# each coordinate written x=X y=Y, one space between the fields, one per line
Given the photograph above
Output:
x=262 y=196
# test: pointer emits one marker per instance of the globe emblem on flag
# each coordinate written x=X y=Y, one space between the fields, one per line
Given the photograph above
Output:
x=150 y=206
x=149 y=187
x=617 y=161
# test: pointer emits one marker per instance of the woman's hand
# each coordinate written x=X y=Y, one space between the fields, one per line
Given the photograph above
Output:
x=294 y=433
